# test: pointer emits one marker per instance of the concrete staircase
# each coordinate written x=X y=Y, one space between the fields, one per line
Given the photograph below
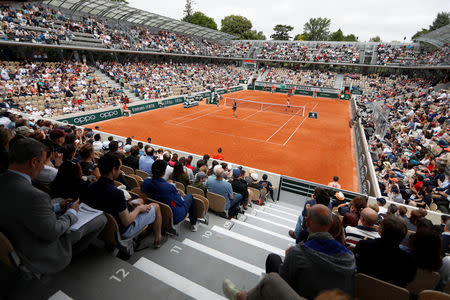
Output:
x=117 y=85
x=189 y=266
x=339 y=82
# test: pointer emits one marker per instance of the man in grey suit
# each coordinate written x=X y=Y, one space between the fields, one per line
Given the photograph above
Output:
x=38 y=230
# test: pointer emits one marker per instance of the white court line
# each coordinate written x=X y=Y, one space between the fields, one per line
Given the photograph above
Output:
x=224 y=257
x=280 y=128
x=251 y=115
x=283 y=237
x=267 y=221
x=259 y=211
x=229 y=134
x=299 y=126
x=248 y=240
x=176 y=281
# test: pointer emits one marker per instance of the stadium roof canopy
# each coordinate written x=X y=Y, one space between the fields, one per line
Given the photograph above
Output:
x=438 y=37
x=122 y=12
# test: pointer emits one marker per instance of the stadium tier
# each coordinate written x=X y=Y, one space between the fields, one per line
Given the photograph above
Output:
x=145 y=157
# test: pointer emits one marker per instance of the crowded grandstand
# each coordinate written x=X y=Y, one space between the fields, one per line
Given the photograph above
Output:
x=90 y=213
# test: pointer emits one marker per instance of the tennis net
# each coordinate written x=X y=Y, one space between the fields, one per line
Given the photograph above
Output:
x=264 y=106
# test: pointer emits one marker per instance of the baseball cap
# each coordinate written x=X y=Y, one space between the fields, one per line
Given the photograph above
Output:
x=236 y=172
x=340 y=196
x=127 y=148
x=23 y=130
x=254 y=176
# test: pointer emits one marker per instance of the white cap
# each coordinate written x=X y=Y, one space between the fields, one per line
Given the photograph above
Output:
x=254 y=176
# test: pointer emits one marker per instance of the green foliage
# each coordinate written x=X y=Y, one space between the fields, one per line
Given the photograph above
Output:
x=188 y=11
x=240 y=27
x=337 y=36
x=281 y=32
x=317 y=29
x=299 y=37
x=201 y=19
x=375 y=39
x=350 y=38
x=442 y=19
x=253 y=35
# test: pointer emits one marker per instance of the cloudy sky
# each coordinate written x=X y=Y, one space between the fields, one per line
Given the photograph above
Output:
x=390 y=19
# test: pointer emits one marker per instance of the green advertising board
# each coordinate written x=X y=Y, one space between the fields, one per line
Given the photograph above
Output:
x=304 y=92
x=173 y=101
x=327 y=95
x=92 y=117
x=143 y=107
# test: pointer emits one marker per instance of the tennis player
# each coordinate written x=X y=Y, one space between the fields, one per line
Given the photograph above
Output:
x=234 y=108
x=288 y=102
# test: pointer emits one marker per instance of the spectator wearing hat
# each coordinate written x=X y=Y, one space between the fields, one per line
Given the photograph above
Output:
x=334 y=183
x=189 y=163
x=200 y=179
x=239 y=186
x=254 y=184
x=146 y=161
x=24 y=130
x=132 y=160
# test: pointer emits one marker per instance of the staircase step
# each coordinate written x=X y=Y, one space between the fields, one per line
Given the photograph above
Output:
x=266 y=224
x=273 y=218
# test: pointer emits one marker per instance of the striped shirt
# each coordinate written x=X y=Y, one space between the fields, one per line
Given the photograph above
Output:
x=354 y=234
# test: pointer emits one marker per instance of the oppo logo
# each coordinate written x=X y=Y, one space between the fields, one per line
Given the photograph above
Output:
x=84 y=119
x=108 y=114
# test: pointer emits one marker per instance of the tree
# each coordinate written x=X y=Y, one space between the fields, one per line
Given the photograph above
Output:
x=236 y=25
x=201 y=19
x=188 y=11
x=441 y=20
x=281 y=32
x=350 y=38
x=375 y=39
x=299 y=37
x=337 y=36
x=317 y=29
x=253 y=35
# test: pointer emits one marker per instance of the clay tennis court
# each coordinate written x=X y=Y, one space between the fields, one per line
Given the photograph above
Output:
x=288 y=144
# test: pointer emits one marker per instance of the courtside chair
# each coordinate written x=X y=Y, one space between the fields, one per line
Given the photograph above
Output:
x=194 y=190
x=370 y=288
x=433 y=295
x=142 y=174
x=217 y=203
x=127 y=170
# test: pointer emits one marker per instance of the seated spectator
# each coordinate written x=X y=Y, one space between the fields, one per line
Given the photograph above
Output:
x=398 y=267
x=267 y=184
x=224 y=188
x=413 y=218
x=334 y=183
x=402 y=210
x=146 y=161
x=239 y=186
x=445 y=236
x=97 y=144
x=200 y=179
x=88 y=167
x=174 y=159
x=131 y=217
x=189 y=163
x=320 y=257
x=159 y=189
x=365 y=229
x=179 y=174
x=133 y=159
x=254 y=183
x=58 y=137
x=38 y=230
x=426 y=247
x=5 y=137
x=218 y=155
x=49 y=172
x=352 y=214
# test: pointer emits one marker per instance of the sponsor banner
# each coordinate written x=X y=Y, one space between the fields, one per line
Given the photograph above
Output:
x=304 y=92
x=327 y=95
x=173 y=101
x=143 y=107
x=297 y=87
x=93 y=117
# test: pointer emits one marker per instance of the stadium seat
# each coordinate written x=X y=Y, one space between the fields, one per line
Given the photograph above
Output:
x=433 y=295
x=181 y=192
x=137 y=191
x=8 y=257
x=424 y=280
x=370 y=288
x=132 y=182
x=138 y=179
x=201 y=208
x=255 y=194
x=127 y=170
x=194 y=190
x=142 y=174
x=180 y=185
x=167 y=217
x=216 y=202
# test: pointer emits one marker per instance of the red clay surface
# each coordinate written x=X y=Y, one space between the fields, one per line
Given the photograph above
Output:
x=292 y=145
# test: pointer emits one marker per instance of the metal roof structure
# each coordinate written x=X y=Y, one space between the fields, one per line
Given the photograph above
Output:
x=121 y=12
x=438 y=37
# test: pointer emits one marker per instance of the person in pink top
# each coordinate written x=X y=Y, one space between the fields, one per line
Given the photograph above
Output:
x=335 y=183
